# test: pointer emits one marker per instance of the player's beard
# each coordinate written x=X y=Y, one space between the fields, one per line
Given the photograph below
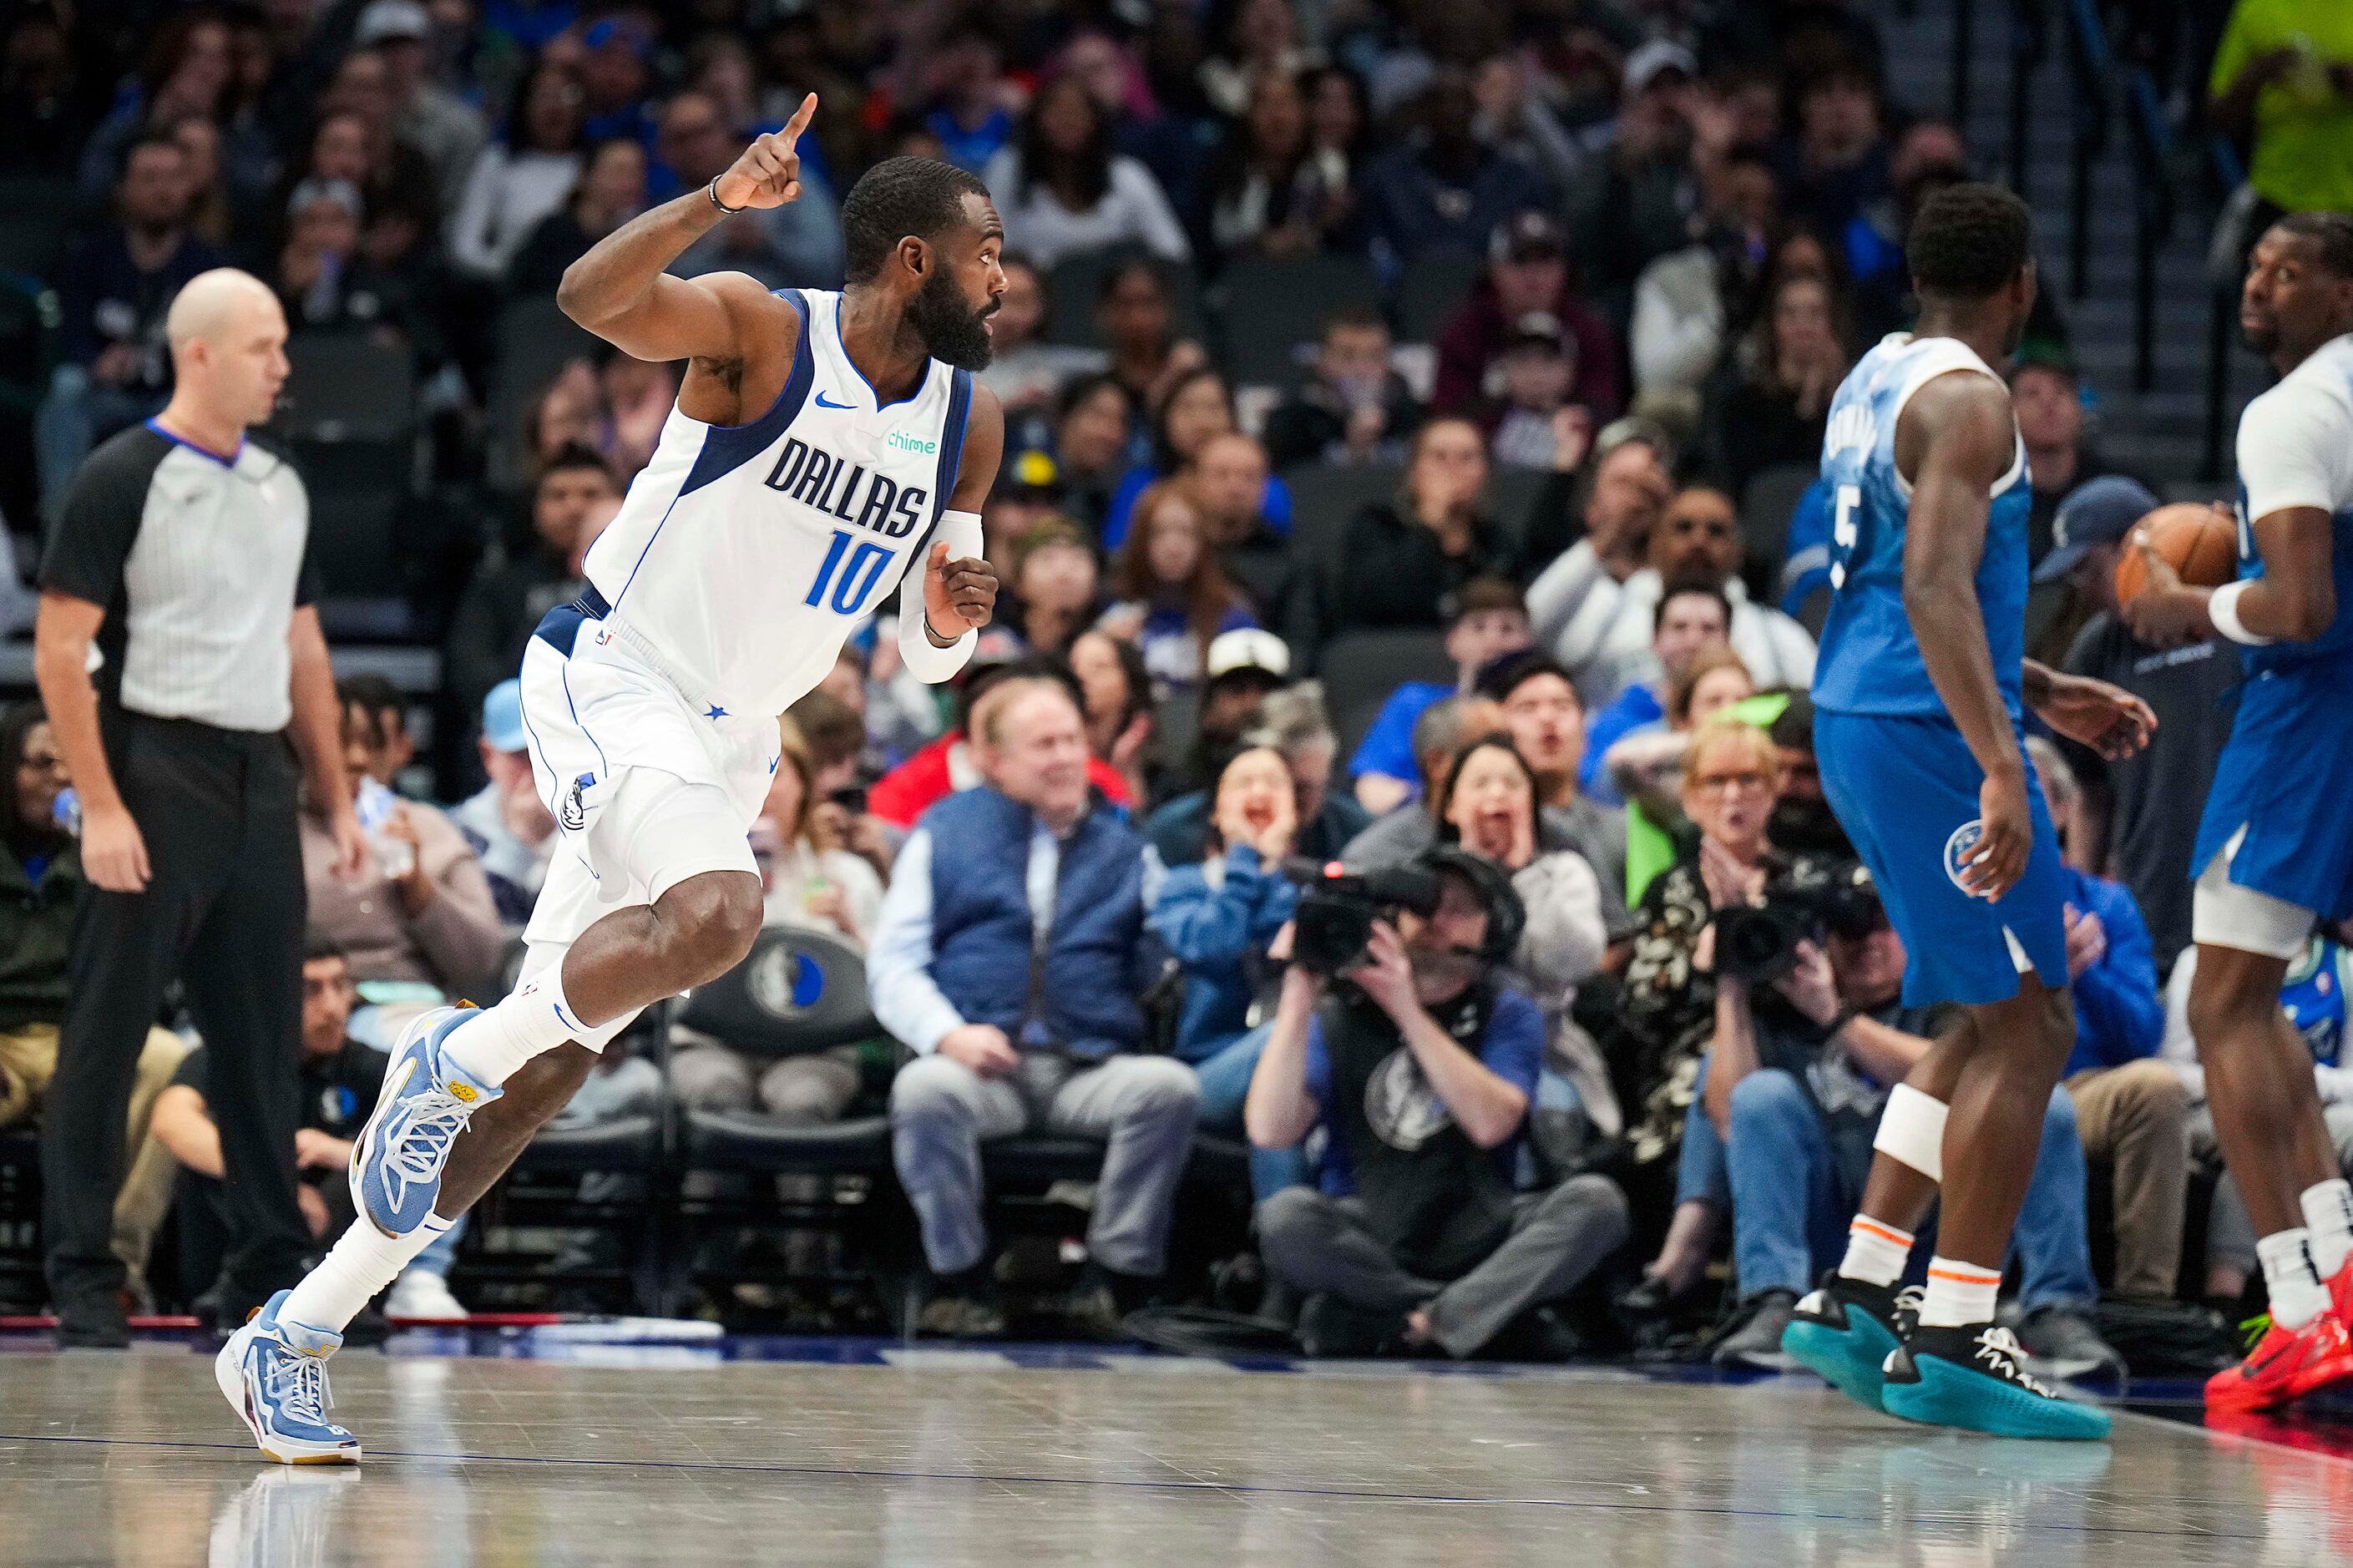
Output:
x=952 y=330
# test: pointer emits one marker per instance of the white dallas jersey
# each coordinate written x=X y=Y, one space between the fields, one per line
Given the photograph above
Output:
x=744 y=554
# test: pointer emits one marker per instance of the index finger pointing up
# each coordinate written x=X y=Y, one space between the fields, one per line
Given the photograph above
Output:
x=800 y=122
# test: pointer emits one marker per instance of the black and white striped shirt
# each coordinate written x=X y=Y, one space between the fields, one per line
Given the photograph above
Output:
x=200 y=562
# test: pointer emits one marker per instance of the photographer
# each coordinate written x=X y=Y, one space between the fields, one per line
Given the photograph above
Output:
x=1419 y=1069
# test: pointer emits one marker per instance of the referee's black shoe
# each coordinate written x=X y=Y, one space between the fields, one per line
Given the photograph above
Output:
x=91 y=1319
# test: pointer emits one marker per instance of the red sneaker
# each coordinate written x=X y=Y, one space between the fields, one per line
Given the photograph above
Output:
x=2286 y=1364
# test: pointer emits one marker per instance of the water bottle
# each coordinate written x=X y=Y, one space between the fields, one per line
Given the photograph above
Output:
x=375 y=807
x=66 y=812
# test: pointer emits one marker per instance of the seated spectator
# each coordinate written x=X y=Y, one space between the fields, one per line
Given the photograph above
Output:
x=1028 y=374
x=1488 y=805
x=386 y=707
x=1645 y=764
x=341 y=1080
x=635 y=398
x=1835 y=163
x=1291 y=722
x=42 y=890
x=2061 y=457
x=1527 y=271
x=1055 y=588
x=1028 y=492
x=968 y=905
x=1352 y=409
x=523 y=175
x=1268 y=196
x=1090 y=447
x=1198 y=406
x=1686 y=300
x=797 y=246
x=1439 y=189
x=2152 y=801
x=1218 y=917
x=1687 y=620
x=1064 y=190
x=1135 y=321
x=1771 y=406
x=509 y=594
x=1488 y=619
x=839 y=753
x=446 y=130
x=611 y=190
x=1631 y=203
x=2130 y=1108
x=1546 y=722
x=1532 y=423
x=614 y=76
x=1229 y=485
x=354 y=142
x=1262 y=39
x=1797 y=1073
x=1119 y=706
x=1577 y=599
x=1244 y=668
x=1444 y=728
x=505 y=823
x=1172 y=598
x=112 y=291
x=1421 y=1073
x=974 y=103
x=1403 y=557
x=418 y=924
x=953 y=764
x=324 y=278
x=1606 y=626
x=1928 y=156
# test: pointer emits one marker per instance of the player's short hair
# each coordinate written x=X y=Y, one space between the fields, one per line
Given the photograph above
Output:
x=895 y=198
x=2331 y=231
x=1968 y=241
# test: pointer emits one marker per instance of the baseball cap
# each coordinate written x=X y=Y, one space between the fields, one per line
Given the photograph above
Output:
x=1249 y=648
x=1659 y=55
x=1031 y=469
x=387 y=19
x=502 y=717
x=1525 y=235
x=2097 y=511
x=1537 y=328
x=342 y=193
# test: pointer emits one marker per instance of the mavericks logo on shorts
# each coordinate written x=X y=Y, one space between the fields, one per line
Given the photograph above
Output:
x=1957 y=849
x=573 y=813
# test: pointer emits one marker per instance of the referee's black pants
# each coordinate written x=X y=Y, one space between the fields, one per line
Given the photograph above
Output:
x=222 y=908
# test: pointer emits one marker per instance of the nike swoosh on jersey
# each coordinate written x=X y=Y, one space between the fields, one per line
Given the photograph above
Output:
x=825 y=402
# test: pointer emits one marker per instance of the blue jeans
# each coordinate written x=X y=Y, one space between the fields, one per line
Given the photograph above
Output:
x=1791 y=1201
x=1225 y=1076
x=76 y=414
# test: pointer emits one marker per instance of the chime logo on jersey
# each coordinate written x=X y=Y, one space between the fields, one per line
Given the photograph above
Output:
x=847 y=491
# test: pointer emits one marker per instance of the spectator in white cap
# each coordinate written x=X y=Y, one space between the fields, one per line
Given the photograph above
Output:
x=425 y=115
x=1634 y=204
x=505 y=821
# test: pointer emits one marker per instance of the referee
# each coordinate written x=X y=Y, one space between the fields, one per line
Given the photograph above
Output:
x=181 y=558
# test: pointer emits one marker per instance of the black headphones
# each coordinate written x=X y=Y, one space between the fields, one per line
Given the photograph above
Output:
x=1506 y=916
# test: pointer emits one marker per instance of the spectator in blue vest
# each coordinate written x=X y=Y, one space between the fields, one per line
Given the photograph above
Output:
x=1490 y=618
x=1012 y=963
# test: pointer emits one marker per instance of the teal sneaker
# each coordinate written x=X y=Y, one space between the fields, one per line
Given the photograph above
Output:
x=1846 y=1328
x=1971 y=1377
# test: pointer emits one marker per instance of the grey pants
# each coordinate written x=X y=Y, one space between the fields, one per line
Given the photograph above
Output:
x=2230 y=1233
x=799 y=1091
x=1321 y=1244
x=1144 y=1106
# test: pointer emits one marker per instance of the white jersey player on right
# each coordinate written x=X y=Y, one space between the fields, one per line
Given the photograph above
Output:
x=826 y=449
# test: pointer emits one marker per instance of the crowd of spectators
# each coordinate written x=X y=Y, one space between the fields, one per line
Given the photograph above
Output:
x=1505 y=574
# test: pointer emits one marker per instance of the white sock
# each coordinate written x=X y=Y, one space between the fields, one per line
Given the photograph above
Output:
x=1959 y=1294
x=2328 y=1215
x=492 y=1046
x=363 y=1263
x=2297 y=1297
x=1875 y=1251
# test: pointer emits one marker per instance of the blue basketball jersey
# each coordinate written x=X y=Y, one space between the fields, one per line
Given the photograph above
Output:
x=1869 y=661
x=2293 y=446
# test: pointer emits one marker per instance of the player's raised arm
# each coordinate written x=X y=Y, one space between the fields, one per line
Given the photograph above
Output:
x=728 y=324
x=951 y=594
x=1957 y=438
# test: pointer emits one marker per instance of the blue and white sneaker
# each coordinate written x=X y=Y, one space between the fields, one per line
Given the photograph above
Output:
x=426 y=1103
x=274 y=1375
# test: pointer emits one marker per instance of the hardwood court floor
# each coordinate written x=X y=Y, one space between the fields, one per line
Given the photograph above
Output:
x=944 y=1459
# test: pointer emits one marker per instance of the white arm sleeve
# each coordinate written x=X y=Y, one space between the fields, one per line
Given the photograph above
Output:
x=924 y=659
x=2295 y=449
x=1561 y=590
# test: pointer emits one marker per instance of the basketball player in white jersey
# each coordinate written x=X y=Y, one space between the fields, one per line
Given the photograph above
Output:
x=825 y=449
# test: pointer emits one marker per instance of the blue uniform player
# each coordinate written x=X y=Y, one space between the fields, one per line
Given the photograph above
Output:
x=2276 y=849
x=1920 y=695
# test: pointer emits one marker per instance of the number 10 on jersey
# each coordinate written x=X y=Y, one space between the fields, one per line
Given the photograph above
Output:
x=849 y=572
x=1844 y=531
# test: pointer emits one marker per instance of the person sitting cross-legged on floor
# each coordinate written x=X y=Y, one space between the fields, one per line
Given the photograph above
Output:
x=1010 y=955
x=1419 y=1066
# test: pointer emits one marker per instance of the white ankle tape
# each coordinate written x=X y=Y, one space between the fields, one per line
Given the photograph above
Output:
x=1912 y=1132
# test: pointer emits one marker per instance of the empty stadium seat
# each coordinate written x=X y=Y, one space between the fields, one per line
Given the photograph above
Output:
x=347 y=387
x=533 y=339
x=1269 y=311
x=1361 y=669
x=1433 y=288
x=1765 y=509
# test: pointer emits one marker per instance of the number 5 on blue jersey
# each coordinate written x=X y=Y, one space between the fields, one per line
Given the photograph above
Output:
x=1844 y=531
x=851 y=573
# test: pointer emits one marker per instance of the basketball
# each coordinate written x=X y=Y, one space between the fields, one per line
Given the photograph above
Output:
x=2197 y=541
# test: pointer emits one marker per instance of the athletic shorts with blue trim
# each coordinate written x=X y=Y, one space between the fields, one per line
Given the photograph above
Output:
x=2286 y=777
x=1905 y=787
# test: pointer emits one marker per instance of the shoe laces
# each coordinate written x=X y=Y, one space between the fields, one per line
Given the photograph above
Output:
x=2000 y=1349
x=434 y=1119
x=297 y=1385
x=1908 y=1307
